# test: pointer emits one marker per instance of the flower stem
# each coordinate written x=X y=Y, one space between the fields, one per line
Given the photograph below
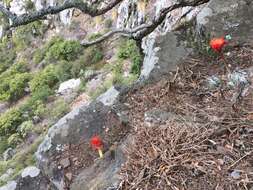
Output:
x=100 y=153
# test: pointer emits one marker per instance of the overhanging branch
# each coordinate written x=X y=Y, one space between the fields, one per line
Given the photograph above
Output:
x=143 y=30
x=85 y=7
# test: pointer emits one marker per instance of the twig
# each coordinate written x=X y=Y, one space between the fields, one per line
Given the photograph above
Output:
x=236 y=162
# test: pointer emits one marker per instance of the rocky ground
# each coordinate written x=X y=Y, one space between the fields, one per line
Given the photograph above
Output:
x=194 y=131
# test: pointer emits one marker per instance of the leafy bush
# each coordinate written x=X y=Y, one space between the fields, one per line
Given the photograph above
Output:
x=64 y=50
x=20 y=67
x=17 y=86
x=7 y=57
x=60 y=107
x=13 y=83
x=23 y=35
x=93 y=55
x=44 y=80
x=33 y=107
x=9 y=121
x=29 y=5
x=25 y=128
x=129 y=50
x=38 y=56
x=14 y=140
x=3 y=144
x=63 y=70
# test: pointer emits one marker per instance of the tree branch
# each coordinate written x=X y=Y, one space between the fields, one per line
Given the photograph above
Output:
x=143 y=30
x=85 y=7
x=91 y=9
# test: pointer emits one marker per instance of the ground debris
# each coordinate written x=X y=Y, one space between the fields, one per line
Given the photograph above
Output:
x=208 y=145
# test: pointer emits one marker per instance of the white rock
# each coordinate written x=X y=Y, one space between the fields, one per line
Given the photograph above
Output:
x=69 y=85
x=11 y=185
x=30 y=171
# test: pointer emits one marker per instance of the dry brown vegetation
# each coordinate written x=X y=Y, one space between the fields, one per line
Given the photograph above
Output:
x=208 y=144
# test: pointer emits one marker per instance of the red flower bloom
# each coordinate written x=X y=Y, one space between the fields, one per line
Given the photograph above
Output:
x=217 y=44
x=96 y=142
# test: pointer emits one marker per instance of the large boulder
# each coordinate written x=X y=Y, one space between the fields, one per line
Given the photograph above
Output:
x=65 y=151
x=217 y=18
x=234 y=17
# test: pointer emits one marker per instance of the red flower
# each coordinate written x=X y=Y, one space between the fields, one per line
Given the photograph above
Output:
x=96 y=142
x=217 y=44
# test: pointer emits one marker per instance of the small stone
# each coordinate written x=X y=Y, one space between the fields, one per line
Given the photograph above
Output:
x=65 y=163
x=30 y=171
x=235 y=174
x=69 y=176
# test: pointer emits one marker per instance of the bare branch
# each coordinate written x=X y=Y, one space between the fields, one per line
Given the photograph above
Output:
x=143 y=30
x=85 y=7
x=136 y=33
x=123 y=32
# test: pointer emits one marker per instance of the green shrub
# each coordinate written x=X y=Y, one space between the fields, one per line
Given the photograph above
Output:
x=33 y=106
x=64 y=50
x=129 y=50
x=9 y=121
x=25 y=128
x=20 y=67
x=59 y=108
x=63 y=70
x=29 y=6
x=39 y=108
x=14 y=140
x=46 y=79
x=93 y=55
x=13 y=83
x=17 y=86
x=38 y=56
x=23 y=35
x=42 y=93
x=7 y=57
x=3 y=144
